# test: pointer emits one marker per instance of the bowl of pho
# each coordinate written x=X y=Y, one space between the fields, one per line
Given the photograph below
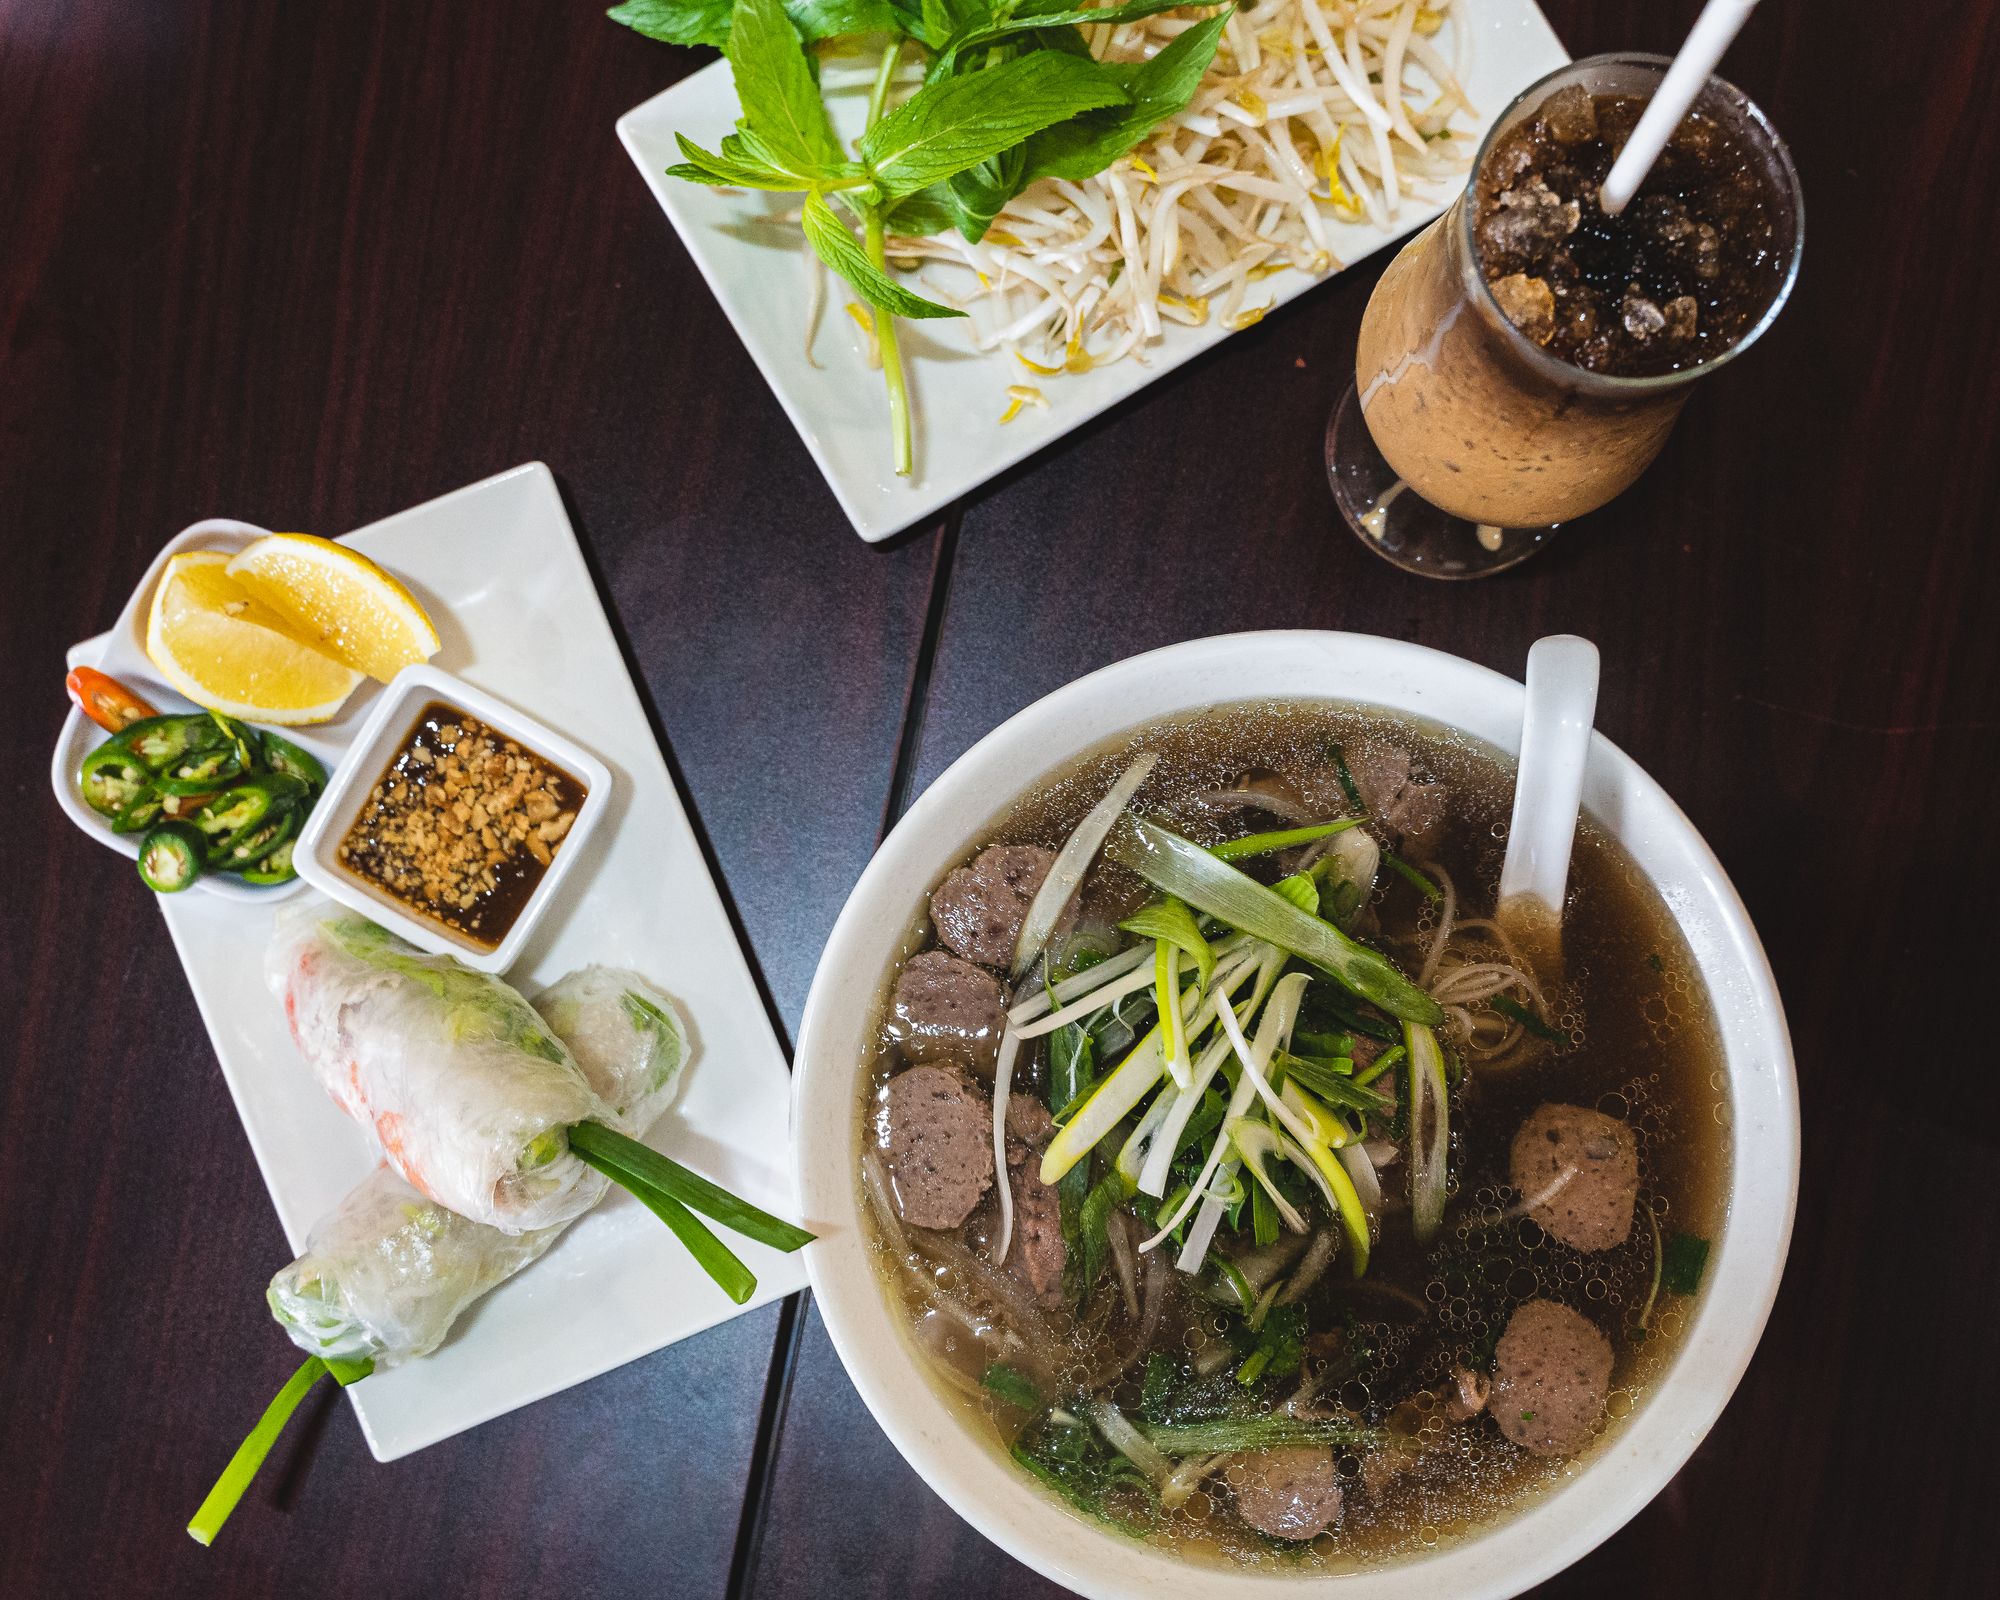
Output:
x=1211 y=1194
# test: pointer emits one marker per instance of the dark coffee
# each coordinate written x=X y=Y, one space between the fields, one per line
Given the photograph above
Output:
x=1673 y=281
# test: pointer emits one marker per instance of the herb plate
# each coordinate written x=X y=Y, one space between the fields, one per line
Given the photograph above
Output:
x=498 y=567
x=760 y=270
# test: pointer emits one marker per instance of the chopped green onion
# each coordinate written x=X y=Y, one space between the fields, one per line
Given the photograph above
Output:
x=1301 y=889
x=1508 y=1006
x=633 y=1159
x=1403 y=869
x=236 y=1477
x=1428 y=1154
x=1259 y=844
x=1335 y=1086
x=1348 y=786
x=1381 y=1064
x=1169 y=921
x=1239 y=1285
x=1683 y=1262
x=1182 y=868
x=1255 y=1142
x=1016 y=1388
x=1257 y=1432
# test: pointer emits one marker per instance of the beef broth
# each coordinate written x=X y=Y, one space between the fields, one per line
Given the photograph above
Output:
x=1451 y=1383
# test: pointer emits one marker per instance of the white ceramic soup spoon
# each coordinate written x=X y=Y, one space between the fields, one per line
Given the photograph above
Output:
x=1548 y=793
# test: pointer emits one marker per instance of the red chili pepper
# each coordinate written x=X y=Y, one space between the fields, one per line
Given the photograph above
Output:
x=106 y=701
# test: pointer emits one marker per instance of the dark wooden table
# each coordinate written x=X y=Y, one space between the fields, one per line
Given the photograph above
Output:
x=308 y=264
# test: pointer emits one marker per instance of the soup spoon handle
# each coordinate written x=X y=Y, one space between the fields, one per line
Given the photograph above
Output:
x=1548 y=793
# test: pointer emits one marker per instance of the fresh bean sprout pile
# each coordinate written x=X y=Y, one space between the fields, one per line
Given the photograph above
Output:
x=1314 y=110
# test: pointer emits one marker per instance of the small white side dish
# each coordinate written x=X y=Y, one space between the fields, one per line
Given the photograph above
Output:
x=1608 y=1485
x=124 y=657
x=375 y=746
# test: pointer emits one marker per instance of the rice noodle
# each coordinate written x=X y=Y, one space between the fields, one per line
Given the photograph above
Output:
x=1312 y=109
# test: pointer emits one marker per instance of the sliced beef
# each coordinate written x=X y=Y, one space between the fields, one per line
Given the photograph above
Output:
x=940 y=1145
x=1397 y=798
x=1038 y=1253
x=1290 y=1492
x=978 y=910
x=1586 y=1164
x=1401 y=804
x=1028 y=1120
x=945 y=1008
x=1551 y=1374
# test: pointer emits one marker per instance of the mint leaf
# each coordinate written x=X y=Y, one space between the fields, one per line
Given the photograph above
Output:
x=977 y=194
x=676 y=21
x=840 y=250
x=917 y=215
x=703 y=166
x=838 y=19
x=780 y=95
x=707 y=21
x=1158 y=89
x=1028 y=19
x=956 y=123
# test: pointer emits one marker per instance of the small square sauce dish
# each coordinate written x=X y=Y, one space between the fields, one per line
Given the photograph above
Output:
x=454 y=819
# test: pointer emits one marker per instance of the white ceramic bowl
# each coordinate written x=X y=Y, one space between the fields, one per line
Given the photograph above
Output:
x=1612 y=1484
x=381 y=737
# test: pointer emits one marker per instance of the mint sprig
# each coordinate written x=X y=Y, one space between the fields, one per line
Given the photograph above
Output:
x=1011 y=93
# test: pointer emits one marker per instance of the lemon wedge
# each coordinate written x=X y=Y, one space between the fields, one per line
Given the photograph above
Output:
x=338 y=601
x=225 y=649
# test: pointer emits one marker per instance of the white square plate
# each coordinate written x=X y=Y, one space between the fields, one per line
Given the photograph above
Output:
x=759 y=269
x=498 y=568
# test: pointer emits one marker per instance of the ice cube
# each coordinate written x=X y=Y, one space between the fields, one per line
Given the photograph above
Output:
x=1529 y=303
x=1680 y=314
x=1642 y=318
x=1570 y=115
x=1527 y=221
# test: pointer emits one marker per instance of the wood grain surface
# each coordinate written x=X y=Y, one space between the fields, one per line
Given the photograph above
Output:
x=307 y=265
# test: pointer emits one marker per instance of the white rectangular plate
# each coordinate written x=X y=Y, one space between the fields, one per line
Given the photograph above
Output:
x=759 y=269
x=498 y=568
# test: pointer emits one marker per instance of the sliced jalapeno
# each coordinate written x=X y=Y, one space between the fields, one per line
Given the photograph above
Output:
x=248 y=741
x=202 y=772
x=281 y=755
x=170 y=857
x=248 y=849
x=160 y=741
x=232 y=816
x=274 y=868
x=232 y=812
x=113 y=777
x=141 y=811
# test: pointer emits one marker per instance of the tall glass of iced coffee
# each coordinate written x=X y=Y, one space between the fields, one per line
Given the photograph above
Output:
x=1524 y=358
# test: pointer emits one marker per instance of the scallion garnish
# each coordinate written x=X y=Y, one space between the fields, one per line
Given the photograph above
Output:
x=673 y=1193
x=1179 y=867
x=1260 y=844
x=1508 y=1006
x=236 y=1477
x=1403 y=869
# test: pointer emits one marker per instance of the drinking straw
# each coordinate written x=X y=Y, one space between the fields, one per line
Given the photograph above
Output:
x=1719 y=23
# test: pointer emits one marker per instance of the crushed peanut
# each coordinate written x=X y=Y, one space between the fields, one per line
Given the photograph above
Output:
x=463 y=824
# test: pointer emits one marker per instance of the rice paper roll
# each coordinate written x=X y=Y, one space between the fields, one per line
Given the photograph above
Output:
x=467 y=1091
x=388 y=1272
x=627 y=1038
